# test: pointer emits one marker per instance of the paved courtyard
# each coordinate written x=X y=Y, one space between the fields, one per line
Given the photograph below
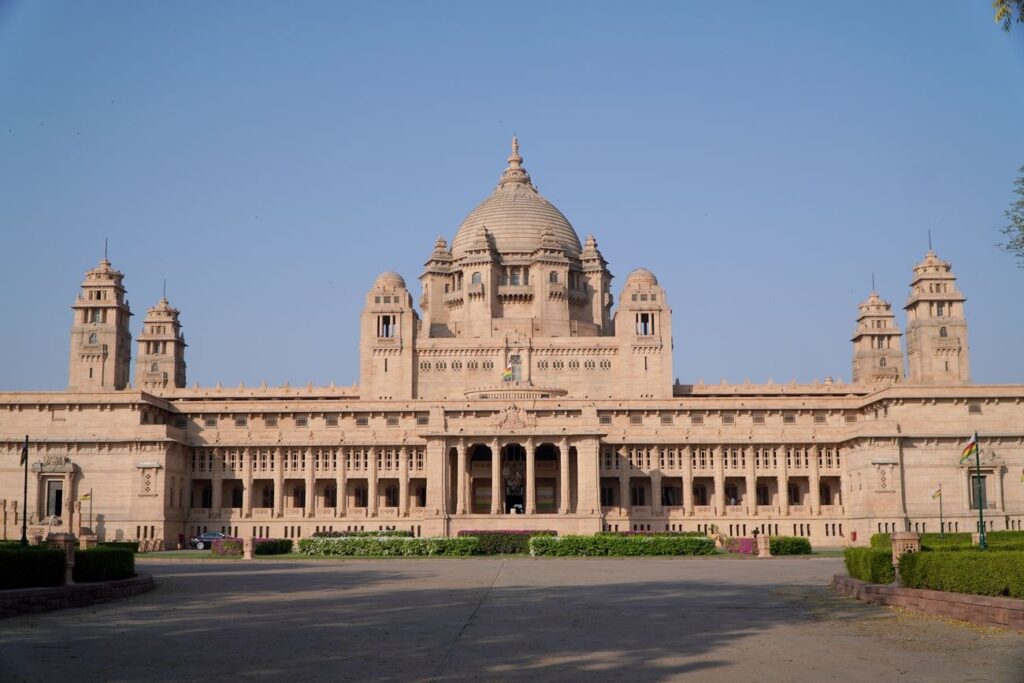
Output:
x=499 y=619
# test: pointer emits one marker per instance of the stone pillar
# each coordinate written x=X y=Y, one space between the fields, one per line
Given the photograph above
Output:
x=531 y=478
x=460 y=480
x=624 y=471
x=247 y=548
x=403 y=482
x=371 y=484
x=589 y=494
x=310 y=484
x=65 y=543
x=495 y=477
x=719 y=458
x=815 y=481
x=656 y=493
x=904 y=542
x=217 y=481
x=764 y=546
x=751 y=478
x=783 y=479
x=564 y=497
x=247 y=483
x=340 y=481
x=278 y=482
x=688 y=480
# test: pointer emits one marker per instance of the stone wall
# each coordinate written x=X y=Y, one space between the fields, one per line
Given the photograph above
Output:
x=34 y=600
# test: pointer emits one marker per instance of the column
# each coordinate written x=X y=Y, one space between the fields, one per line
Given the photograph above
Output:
x=815 y=481
x=371 y=484
x=495 y=477
x=716 y=453
x=531 y=478
x=460 y=481
x=310 y=484
x=624 y=470
x=403 y=482
x=247 y=483
x=688 y=479
x=783 y=479
x=217 y=481
x=340 y=481
x=278 y=482
x=589 y=473
x=656 y=493
x=751 y=498
x=564 y=499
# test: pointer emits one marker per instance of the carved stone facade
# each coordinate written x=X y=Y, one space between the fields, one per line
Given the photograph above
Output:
x=517 y=396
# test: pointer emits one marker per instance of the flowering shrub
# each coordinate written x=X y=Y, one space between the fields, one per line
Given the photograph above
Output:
x=505 y=541
x=743 y=546
x=226 y=547
x=389 y=546
x=612 y=545
x=650 y=533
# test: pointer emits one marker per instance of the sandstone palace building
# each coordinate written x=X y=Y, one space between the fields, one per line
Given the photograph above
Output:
x=519 y=390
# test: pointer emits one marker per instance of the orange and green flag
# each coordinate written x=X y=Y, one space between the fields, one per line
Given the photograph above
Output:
x=970 y=449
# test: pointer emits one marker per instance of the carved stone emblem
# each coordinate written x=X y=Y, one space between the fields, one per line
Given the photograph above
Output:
x=56 y=460
x=514 y=417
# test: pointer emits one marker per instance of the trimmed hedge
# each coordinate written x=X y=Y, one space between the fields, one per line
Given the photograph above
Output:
x=988 y=573
x=127 y=545
x=869 y=564
x=789 y=545
x=103 y=564
x=31 y=567
x=932 y=541
x=505 y=542
x=226 y=547
x=272 y=546
x=392 y=533
x=650 y=533
x=389 y=547
x=605 y=545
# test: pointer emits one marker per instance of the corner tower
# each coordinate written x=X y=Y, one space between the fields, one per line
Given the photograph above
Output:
x=101 y=354
x=877 y=358
x=937 y=351
x=387 y=331
x=160 y=362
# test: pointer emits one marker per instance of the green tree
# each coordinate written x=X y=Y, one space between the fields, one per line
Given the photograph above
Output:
x=1005 y=10
x=1014 y=229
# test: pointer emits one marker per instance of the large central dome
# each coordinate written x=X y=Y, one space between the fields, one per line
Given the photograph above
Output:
x=516 y=216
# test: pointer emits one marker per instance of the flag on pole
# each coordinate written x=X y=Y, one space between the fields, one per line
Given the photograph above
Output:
x=86 y=496
x=970 y=449
x=507 y=375
x=937 y=494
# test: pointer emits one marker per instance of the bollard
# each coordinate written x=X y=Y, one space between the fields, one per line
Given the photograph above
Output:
x=247 y=548
x=904 y=542
x=65 y=542
x=764 y=546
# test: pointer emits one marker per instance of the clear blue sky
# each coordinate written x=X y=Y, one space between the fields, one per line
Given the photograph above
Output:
x=269 y=159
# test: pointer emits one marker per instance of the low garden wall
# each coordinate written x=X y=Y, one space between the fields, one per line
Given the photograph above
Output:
x=34 y=600
x=976 y=609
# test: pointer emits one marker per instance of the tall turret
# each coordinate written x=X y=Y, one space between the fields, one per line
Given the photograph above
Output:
x=160 y=362
x=877 y=358
x=937 y=351
x=101 y=356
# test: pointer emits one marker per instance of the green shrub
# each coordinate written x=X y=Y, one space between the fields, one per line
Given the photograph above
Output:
x=127 y=545
x=389 y=547
x=226 y=547
x=272 y=546
x=952 y=541
x=881 y=541
x=31 y=567
x=789 y=545
x=610 y=545
x=103 y=564
x=508 y=542
x=980 y=573
x=650 y=533
x=386 y=533
x=869 y=564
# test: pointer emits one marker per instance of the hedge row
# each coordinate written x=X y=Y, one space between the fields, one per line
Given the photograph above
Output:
x=789 y=545
x=999 y=574
x=610 y=545
x=31 y=567
x=869 y=564
x=127 y=545
x=391 y=533
x=650 y=533
x=103 y=564
x=226 y=547
x=389 y=547
x=933 y=541
x=506 y=542
x=272 y=546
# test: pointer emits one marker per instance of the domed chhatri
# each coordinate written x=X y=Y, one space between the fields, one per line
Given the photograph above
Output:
x=389 y=279
x=642 y=276
x=516 y=216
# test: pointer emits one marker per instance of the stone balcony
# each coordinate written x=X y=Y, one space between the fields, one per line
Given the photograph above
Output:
x=515 y=292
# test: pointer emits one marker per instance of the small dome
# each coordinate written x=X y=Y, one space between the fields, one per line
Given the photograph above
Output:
x=516 y=217
x=389 y=279
x=641 y=276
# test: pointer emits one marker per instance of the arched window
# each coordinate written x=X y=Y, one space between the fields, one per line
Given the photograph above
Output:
x=943 y=332
x=155 y=367
x=553 y=276
x=475 y=279
x=93 y=339
x=881 y=362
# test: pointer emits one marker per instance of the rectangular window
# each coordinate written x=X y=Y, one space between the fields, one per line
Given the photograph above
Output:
x=696 y=419
x=392 y=421
x=636 y=419
x=789 y=419
x=819 y=418
x=605 y=419
x=758 y=418
x=607 y=496
x=241 y=420
x=270 y=420
x=210 y=421
x=728 y=419
x=638 y=496
x=422 y=420
x=331 y=419
x=850 y=417
x=974 y=408
x=978 y=494
x=302 y=420
x=362 y=420
x=667 y=419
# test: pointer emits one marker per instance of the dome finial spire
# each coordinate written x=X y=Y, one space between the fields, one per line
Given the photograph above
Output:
x=514 y=173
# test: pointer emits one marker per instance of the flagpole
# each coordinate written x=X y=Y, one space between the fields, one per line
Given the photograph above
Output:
x=982 y=539
x=90 y=513
x=942 y=526
x=24 y=496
